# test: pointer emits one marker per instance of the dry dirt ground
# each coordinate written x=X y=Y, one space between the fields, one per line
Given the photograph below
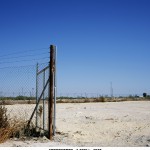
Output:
x=93 y=124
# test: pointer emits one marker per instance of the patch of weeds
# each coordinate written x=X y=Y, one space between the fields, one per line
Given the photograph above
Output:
x=3 y=117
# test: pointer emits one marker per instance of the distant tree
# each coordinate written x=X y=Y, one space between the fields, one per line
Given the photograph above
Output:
x=144 y=94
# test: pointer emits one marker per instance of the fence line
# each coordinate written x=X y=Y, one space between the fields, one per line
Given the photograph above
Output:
x=31 y=83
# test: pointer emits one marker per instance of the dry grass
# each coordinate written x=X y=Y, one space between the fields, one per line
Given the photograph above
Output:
x=12 y=102
x=15 y=129
x=86 y=100
x=100 y=99
x=10 y=128
x=3 y=117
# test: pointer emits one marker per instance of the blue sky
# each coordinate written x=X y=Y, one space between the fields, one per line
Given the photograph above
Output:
x=98 y=41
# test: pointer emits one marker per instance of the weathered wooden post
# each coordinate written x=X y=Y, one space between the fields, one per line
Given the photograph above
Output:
x=51 y=90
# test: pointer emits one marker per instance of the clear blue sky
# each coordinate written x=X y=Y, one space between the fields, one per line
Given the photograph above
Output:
x=98 y=41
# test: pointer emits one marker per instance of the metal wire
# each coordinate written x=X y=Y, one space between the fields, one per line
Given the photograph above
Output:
x=21 y=52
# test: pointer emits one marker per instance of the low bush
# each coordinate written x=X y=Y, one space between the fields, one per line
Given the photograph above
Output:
x=100 y=99
x=3 y=117
x=10 y=128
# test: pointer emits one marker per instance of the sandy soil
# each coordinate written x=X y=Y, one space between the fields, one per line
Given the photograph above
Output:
x=93 y=124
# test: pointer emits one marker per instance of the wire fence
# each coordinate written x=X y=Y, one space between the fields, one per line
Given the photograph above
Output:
x=18 y=72
x=18 y=82
x=29 y=84
x=18 y=86
x=42 y=78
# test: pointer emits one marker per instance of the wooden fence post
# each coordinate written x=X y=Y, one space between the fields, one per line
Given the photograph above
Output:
x=51 y=90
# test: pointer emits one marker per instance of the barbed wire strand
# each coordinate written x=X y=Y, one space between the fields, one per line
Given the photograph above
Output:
x=42 y=63
x=23 y=60
x=24 y=51
x=22 y=56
